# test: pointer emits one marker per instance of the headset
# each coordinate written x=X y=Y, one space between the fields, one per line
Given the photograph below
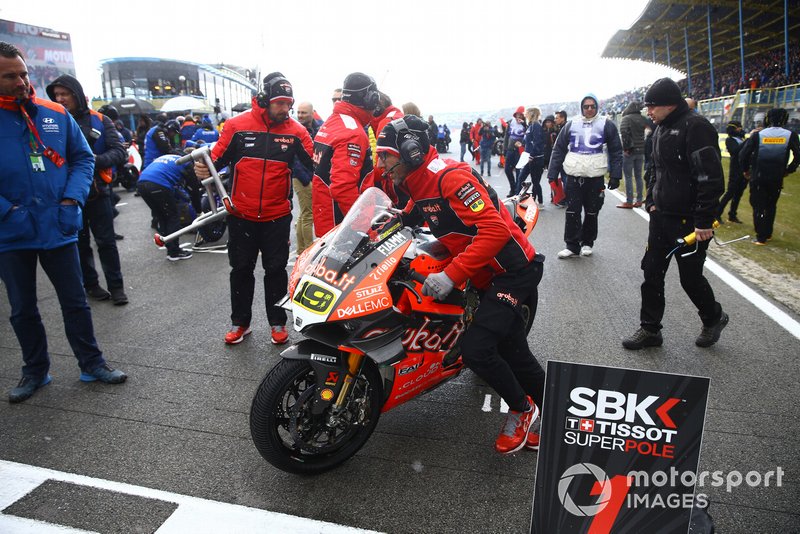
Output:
x=372 y=97
x=410 y=144
x=265 y=95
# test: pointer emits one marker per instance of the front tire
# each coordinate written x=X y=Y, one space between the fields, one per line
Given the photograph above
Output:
x=290 y=437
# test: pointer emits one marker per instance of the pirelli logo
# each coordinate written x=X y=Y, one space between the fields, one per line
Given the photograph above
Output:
x=773 y=140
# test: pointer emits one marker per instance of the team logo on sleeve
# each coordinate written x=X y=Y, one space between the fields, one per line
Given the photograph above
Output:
x=464 y=191
x=474 y=202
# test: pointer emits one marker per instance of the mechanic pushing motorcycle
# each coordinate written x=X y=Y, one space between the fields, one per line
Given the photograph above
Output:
x=490 y=251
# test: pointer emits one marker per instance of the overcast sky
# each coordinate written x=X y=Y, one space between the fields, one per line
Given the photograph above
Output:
x=448 y=55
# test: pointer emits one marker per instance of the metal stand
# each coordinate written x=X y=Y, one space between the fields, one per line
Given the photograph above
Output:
x=213 y=186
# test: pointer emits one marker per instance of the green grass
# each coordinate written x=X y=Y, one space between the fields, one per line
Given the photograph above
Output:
x=782 y=254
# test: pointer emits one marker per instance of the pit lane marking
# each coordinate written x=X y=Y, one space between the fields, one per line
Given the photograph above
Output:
x=193 y=514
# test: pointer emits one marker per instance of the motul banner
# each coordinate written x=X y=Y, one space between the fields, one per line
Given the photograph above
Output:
x=619 y=450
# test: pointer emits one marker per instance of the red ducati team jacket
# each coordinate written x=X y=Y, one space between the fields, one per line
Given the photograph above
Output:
x=342 y=165
x=469 y=220
x=260 y=153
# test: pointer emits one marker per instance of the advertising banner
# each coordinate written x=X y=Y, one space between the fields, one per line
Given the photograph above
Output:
x=48 y=53
x=619 y=450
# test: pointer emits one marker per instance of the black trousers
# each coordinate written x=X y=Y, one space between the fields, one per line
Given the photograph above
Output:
x=664 y=231
x=736 y=186
x=764 y=199
x=510 y=168
x=495 y=346
x=585 y=197
x=161 y=201
x=98 y=221
x=245 y=240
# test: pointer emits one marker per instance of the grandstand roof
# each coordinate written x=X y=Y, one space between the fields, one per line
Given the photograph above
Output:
x=663 y=21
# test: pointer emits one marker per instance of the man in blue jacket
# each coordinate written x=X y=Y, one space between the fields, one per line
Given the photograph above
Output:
x=98 y=212
x=46 y=168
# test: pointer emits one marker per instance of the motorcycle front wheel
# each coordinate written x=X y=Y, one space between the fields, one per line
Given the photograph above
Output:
x=292 y=438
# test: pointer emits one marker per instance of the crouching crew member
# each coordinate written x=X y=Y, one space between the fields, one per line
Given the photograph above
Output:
x=489 y=250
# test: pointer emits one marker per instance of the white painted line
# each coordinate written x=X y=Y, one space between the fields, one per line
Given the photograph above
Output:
x=503 y=406
x=195 y=515
x=770 y=310
x=121 y=204
x=10 y=524
x=487 y=403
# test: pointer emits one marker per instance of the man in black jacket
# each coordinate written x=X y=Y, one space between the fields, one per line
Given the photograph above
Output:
x=683 y=197
x=98 y=213
x=766 y=154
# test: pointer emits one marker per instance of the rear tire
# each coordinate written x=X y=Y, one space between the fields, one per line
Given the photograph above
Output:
x=290 y=437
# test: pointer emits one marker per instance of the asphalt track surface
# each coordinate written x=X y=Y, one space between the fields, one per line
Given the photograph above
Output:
x=129 y=458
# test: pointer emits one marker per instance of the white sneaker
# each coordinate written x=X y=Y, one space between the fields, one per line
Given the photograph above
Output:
x=566 y=253
x=586 y=250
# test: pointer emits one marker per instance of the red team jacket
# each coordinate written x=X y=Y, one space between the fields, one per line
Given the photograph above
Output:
x=260 y=153
x=467 y=217
x=342 y=165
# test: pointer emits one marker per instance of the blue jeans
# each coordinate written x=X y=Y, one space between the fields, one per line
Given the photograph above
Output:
x=463 y=150
x=632 y=169
x=486 y=157
x=63 y=268
x=98 y=216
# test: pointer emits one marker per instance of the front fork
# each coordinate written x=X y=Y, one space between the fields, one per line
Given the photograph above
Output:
x=355 y=360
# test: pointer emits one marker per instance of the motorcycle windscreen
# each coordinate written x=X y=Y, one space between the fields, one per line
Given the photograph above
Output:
x=335 y=270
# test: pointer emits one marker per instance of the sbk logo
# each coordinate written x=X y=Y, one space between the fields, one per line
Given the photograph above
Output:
x=615 y=406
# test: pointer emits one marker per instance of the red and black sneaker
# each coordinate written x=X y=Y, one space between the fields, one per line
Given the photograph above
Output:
x=236 y=334
x=279 y=335
x=532 y=442
x=514 y=434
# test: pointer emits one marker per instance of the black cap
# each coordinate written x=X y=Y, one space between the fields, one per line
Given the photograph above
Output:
x=277 y=87
x=355 y=88
x=397 y=131
x=663 y=92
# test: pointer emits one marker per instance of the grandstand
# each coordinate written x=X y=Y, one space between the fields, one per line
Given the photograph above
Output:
x=741 y=58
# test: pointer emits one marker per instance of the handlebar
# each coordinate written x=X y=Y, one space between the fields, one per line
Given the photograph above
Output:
x=456 y=296
x=213 y=185
x=197 y=154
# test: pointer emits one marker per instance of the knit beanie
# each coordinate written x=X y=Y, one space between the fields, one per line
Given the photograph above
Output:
x=663 y=92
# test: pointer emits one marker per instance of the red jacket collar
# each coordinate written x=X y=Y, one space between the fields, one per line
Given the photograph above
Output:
x=420 y=176
x=360 y=114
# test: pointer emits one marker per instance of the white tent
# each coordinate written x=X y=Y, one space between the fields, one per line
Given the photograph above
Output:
x=187 y=103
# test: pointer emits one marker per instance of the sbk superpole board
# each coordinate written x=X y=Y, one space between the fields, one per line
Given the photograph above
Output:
x=619 y=450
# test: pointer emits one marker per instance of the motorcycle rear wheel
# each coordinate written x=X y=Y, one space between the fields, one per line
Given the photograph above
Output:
x=291 y=438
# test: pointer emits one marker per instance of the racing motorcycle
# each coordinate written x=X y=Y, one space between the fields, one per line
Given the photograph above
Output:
x=372 y=340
